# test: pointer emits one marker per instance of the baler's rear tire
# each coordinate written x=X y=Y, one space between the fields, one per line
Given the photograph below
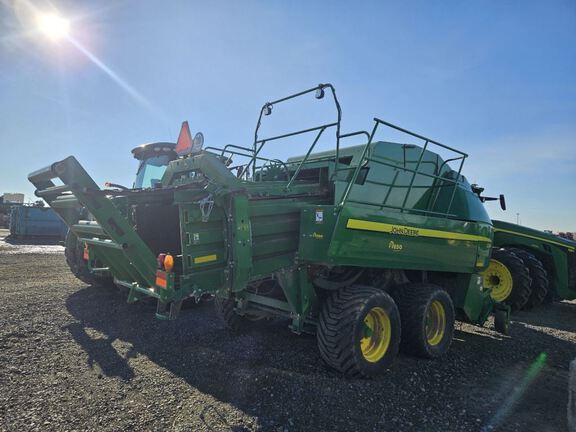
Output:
x=539 y=277
x=74 y=252
x=359 y=331
x=508 y=278
x=427 y=315
x=225 y=310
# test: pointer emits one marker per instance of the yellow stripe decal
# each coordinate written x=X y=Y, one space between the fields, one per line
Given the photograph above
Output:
x=411 y=231
x=205 y=259
x=570 y=248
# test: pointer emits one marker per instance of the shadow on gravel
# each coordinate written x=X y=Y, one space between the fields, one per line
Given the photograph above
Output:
x=561 y=317
x=101 y=352
x=278 y=377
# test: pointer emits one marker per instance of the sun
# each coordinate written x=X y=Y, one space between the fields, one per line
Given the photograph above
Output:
x=53 y=26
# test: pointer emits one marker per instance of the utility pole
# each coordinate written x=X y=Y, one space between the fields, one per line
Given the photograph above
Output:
x=517 y=218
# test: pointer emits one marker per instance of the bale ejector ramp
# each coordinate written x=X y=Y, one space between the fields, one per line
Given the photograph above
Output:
x=128 y=253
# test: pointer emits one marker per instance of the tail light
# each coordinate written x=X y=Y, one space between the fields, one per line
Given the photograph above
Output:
x=168 y=263
x=165 y=262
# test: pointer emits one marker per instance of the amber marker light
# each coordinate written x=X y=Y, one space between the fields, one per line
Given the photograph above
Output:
x=168 y=263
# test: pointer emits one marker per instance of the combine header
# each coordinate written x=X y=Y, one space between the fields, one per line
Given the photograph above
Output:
x=372 y=247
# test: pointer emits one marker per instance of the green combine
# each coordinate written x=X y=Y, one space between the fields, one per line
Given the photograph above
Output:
x=374 y=248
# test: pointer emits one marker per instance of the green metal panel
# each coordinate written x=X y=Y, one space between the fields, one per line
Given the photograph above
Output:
x=471 y=299
x=406 y=241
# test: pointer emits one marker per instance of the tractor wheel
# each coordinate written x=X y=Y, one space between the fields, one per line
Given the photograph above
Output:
x=427 y=315
x=539 y=277
x=74 y=252
x=508 y=278
x=359 y=331
x=225 y=309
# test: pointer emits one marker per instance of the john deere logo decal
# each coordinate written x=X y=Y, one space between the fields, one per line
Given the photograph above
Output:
x=404 y=231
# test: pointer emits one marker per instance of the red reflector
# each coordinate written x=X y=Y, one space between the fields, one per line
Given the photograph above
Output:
x=161 y=279
x=160 y=260
x=85 y=256
x=184 y=143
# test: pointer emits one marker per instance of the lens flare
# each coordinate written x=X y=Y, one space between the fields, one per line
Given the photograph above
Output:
x=53 y=26
x=516 y=395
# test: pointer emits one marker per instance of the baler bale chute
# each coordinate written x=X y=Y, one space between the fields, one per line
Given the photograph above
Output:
x=372 y=247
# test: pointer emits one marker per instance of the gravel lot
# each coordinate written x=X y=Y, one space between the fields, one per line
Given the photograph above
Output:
x=75 y=357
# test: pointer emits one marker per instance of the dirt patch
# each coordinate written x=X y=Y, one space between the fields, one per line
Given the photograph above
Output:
x=76 y=357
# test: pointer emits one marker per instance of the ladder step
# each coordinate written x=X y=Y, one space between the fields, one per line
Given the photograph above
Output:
x=54 y=190
x=102 y=243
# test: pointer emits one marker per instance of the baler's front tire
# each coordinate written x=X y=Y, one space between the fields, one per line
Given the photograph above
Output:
x=508 y=278
x=74 y=252
x=359 y=331
x=427 y=315
x=539 y=277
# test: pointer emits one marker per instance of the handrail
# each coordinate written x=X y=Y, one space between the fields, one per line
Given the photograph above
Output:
x=324 y=126
x=415 y=172
x=361 y=132
x=305 y=158
x=244 y=165
x=267 y=107
x=423 y=138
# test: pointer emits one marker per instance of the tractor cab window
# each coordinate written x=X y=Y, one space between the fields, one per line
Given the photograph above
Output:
x=151 y=170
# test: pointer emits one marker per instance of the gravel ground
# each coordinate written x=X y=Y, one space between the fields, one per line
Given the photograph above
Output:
x=76 y=357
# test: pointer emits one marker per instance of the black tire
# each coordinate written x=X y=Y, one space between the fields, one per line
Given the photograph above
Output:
x=501 y=322
x=74 y=252
x=427 y=315
x=539 y=277
x=549 y=299
x=342 y=331
x=225 y=310
x=519 y=274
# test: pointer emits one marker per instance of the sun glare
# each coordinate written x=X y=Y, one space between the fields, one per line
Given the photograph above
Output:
x=53 y=26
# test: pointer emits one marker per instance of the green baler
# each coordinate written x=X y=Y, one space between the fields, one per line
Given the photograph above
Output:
x=372 y=247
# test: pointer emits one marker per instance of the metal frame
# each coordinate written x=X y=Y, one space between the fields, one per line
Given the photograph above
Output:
x=365 y=157
x=259 y=143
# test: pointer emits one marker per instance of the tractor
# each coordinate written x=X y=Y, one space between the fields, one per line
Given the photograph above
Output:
x=530 y=267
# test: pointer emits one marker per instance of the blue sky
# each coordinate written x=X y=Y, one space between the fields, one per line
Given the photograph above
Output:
x=496 y=79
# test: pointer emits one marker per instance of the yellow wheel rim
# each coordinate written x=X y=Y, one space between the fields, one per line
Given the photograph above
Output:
x=376 y=335
x=435 y=323
x=498 y=279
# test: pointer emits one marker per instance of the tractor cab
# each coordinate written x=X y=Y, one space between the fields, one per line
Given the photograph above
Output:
x=154 y=158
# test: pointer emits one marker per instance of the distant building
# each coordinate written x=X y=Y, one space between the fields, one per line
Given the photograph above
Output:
x=12 y=198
